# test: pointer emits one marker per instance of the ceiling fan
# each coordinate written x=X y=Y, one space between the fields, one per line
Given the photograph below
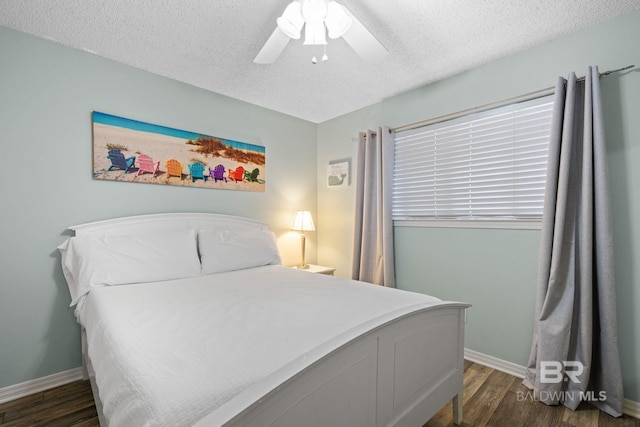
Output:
x=320 y=18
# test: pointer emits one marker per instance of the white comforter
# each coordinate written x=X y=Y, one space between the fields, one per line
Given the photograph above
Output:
x=168 y=353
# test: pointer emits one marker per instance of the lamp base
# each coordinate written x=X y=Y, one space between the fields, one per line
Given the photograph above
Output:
x=303 y=265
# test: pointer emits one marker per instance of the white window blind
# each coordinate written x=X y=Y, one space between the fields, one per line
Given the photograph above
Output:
x=486 y=165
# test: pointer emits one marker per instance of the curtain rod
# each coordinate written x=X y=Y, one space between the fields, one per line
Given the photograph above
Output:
x=628 y=67
x=526 y=97
x=606 y=73
x=373 y=133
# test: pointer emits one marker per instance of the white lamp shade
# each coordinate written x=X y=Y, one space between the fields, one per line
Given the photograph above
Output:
x=291 y=21
x=337 y=21
x=303 y=221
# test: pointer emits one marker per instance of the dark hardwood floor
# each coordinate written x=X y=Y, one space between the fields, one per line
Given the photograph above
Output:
x=68 y=405
x=491 y=398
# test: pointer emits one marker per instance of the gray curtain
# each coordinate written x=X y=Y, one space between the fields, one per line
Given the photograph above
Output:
x=574 y=354
x=373 y=230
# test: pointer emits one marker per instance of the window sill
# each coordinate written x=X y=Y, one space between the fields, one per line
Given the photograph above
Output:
x=459 y=223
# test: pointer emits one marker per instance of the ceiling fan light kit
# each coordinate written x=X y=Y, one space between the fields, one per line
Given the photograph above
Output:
x=320 y=18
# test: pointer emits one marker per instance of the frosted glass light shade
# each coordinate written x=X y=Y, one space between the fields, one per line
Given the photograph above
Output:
x=314 y=13
x=303 y=221
x=291 y=21
x=314 y=33
x=337 y=21
x=314 y=10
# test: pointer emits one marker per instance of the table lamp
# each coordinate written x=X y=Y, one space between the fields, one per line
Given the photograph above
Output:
x=303 y=222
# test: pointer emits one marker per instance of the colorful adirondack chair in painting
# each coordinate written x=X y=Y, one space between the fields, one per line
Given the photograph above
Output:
x=252 y=176
x=147 y=165
x=236 y=174
x=217 y=173
x=118 y=161
x=174 y=168
x=196 y=170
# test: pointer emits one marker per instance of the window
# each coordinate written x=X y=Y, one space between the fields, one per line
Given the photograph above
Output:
x=489 y=165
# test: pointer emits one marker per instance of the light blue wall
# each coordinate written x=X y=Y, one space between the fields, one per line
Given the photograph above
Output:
x=47 y=93
x=495 y=270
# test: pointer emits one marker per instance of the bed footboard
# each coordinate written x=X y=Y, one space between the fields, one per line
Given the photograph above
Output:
x=399 y=374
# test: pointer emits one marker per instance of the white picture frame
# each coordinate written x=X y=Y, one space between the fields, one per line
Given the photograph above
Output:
x=339 y=173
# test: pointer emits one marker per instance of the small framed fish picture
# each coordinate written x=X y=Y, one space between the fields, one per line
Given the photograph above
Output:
x=339 y=173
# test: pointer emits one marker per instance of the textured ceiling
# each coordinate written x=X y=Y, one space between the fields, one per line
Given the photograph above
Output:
x=211 y=44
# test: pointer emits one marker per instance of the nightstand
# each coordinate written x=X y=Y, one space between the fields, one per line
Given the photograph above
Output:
x=318 y=269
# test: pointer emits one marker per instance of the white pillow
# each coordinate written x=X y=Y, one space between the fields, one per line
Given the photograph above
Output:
x=94 y=261
x=222 y=251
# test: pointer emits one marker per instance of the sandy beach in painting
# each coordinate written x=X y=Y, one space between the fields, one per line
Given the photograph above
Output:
x=162 y=148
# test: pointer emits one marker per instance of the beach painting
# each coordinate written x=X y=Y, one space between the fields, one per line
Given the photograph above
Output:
x=134 y=151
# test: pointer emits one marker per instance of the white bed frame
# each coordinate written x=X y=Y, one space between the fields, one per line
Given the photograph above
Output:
x=397 y=374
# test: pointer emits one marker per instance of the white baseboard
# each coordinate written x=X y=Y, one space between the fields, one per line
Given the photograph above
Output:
x=629 y=407
x=495 y=363
x=39 y=384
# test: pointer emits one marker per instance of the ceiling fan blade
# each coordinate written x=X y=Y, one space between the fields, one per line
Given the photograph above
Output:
x=363 y=42
x=272 y=48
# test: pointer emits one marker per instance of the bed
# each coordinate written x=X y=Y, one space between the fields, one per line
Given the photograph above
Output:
x=190 y=319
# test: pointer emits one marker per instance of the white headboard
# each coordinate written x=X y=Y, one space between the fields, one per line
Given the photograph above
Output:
x=158 y=223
